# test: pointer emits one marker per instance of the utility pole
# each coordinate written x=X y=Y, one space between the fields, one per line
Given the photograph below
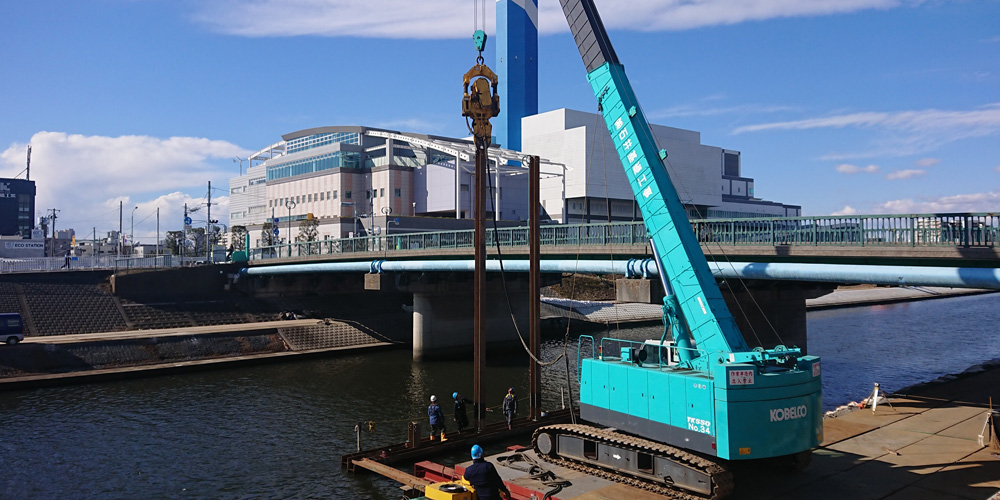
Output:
x=118 y=251
x=185 y=234
x=52 y=217
x=208 y=226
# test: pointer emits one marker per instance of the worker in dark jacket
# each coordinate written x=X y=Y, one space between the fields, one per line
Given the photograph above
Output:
x=461 y=417
x=436 y=417
x=510 y=406
x=485 y=478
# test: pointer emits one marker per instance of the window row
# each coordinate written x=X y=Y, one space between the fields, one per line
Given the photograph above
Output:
x=315 y=164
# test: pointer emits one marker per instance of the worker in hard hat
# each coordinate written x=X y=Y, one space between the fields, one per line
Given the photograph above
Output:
x=485 y=478
x=510 y=407
x=461 y=417
x=436 y=417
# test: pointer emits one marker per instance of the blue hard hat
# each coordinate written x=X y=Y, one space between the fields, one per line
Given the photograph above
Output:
x=477 y=451
x=454 y=395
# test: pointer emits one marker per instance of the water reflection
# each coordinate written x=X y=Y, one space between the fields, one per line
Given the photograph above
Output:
x=277 y=431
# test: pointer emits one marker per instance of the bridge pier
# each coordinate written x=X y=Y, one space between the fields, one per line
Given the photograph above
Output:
x=442 y=321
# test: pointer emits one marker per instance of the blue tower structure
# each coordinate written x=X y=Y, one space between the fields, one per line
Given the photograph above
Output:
x=517 y=68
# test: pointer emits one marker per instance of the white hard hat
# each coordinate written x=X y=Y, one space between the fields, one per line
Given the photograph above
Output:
x=434 y=398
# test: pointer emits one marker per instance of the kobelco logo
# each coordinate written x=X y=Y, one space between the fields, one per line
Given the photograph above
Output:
x=779 y=414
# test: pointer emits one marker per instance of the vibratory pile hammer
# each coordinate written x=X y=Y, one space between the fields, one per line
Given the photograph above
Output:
x=674 y=412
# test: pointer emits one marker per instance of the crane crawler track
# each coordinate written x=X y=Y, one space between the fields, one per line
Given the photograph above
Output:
x=722 y=478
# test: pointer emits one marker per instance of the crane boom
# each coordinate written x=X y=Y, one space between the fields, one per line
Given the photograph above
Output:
x=696 y=297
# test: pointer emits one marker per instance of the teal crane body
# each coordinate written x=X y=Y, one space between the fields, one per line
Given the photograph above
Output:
x=706 y=390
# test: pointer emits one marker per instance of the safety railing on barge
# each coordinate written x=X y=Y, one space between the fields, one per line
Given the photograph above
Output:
x=909 y=230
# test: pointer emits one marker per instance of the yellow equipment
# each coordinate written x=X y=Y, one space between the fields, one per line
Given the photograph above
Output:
x=453 y=490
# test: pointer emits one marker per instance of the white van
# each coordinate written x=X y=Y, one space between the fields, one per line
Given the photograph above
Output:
x=11 y=328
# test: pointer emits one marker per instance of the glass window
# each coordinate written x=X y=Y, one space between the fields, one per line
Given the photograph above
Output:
x=334 y=194
x=381 y=193
x=347 y=195
x=398 y=193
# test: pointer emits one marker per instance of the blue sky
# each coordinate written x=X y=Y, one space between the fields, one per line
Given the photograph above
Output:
x=841 y=106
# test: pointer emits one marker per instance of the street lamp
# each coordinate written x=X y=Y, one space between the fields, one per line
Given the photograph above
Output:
x=290 y=204
x=386 y=211
x=132 y=245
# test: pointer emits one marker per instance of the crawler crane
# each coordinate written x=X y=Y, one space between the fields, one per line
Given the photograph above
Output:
x=671 y=414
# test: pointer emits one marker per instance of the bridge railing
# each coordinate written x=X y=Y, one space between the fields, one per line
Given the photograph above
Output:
x=923 y=230
x=45 y=264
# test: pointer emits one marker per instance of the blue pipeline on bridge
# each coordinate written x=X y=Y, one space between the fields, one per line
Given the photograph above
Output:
x=900 y=231
x=956 y=277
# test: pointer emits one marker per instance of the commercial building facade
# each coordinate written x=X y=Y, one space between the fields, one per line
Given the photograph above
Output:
x=17 y=207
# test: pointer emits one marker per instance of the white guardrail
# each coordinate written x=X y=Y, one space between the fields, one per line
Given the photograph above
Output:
x=46 y=264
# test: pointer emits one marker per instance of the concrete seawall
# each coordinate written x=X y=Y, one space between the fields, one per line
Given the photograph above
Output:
x=66 y=359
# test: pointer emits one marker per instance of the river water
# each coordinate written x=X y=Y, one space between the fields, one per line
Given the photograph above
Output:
x=278 y=431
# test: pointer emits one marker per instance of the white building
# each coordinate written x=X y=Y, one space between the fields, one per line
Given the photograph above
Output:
x=708 y=178
x=358 y=180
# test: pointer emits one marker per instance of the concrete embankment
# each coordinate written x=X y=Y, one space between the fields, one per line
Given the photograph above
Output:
x=605 y=312
x=65 y=359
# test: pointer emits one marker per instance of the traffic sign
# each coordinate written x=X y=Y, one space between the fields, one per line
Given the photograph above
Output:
x=275 y=231
x=187 y=221
x=275 y=220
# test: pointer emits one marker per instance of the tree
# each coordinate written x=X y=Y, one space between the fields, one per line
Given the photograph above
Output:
x=174 y=239
x=197 y=236
x=308 y=230
x=267 y=235
x=238 y=234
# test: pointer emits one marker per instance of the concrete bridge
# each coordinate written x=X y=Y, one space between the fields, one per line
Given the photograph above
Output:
x=434 y=269
x=375 y=282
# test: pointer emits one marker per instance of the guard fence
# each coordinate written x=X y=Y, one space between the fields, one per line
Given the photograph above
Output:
x=909 y=230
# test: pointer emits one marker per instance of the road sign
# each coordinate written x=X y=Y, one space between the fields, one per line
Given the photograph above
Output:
x=276 y=220
x=187 y=221
x=275 y=231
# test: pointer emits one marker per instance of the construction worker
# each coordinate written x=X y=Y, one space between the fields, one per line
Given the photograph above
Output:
x=461 y=418
x=436 y=418
x=510 y=407
x=485 y=478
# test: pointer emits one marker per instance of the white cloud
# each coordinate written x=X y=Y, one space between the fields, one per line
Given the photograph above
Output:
x=974 y=202
x=908 y=132
x=697 y=110
x=927 y=162
x=905 y=174
x=997 y=168
x=847 y=168
x=435 y=19
x=847 y=210
x=85 y=177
